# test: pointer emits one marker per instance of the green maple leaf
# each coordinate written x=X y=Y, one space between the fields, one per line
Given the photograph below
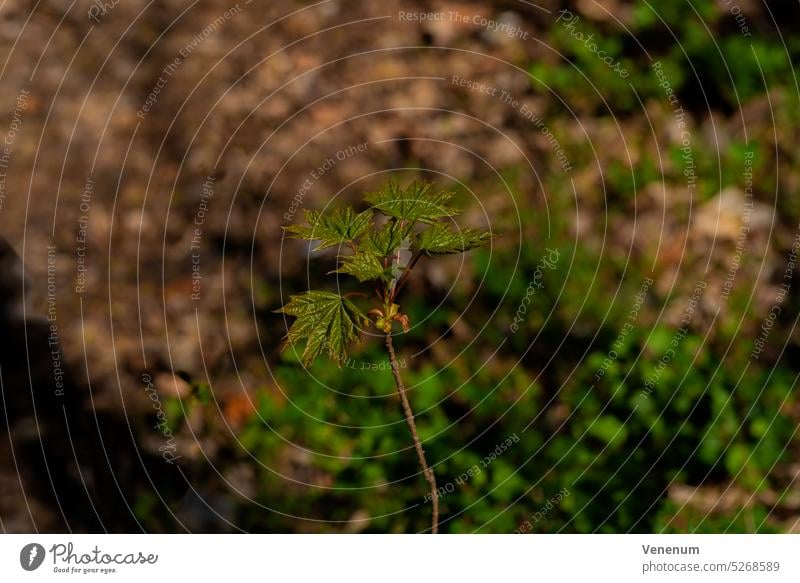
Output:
x=340 y=226
x=387 y=239
x=363 y=265
x=439 y=239
x=326 y=321
x=417 y=202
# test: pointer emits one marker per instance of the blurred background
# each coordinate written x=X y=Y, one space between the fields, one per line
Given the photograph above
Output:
x=623 y=358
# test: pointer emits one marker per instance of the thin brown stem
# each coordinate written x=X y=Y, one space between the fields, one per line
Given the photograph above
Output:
x=426 y=471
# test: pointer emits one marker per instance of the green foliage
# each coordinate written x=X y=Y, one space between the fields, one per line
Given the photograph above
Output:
x=439 y=239
x=364 y=266
x=704 y=54
x=415 y=203
x=385 y=241
x=341 y=226
x=327 y=322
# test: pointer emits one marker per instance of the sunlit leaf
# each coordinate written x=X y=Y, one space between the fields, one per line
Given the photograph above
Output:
x=327 y=323
x=417 y=202
x=339 y=226
x=386 y=240
x=439 y=239
x=363 y=265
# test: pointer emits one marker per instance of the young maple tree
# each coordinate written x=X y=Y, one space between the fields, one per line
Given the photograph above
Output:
x=379 y=247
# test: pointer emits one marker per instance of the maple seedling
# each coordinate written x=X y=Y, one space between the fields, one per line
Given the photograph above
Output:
x=379 y=247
